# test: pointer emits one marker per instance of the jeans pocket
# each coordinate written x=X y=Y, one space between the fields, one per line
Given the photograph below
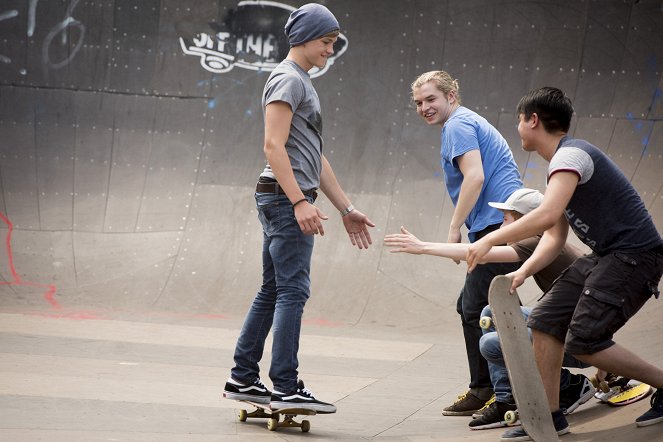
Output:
x=268 y=207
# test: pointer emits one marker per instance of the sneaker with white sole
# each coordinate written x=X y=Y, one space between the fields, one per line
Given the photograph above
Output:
x=493 y=416
x=302 y=398
x=252 y=392
x=483 y=409
x=579 y=391
x=466 y=405
x=519 y=434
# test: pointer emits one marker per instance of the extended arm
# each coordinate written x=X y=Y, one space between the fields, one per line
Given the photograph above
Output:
x=355 y=222
x=558 y=194
x=550 y=246
x=408 y=243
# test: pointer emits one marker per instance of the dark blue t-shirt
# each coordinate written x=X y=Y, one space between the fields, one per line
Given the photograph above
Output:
x=605 y=211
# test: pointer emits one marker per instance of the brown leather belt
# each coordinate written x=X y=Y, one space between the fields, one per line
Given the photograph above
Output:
x=275 y=188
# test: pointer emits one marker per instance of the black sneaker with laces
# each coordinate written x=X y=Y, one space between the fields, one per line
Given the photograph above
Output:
x=579 y=391
x=655 y=413
x=466 y=405
x=519 y=434
x=480 y=411
x=492 y=417
x=302 y=398
x=253 y=392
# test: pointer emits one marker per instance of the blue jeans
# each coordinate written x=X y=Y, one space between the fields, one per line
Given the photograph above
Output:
x=490 y=347
x=279 y=305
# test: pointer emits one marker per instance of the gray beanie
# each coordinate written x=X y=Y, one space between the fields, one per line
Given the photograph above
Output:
x=309 y=22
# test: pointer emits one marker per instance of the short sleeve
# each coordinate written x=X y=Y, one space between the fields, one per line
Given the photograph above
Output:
x=461 y=137
x=287 y=88
x=572 y=159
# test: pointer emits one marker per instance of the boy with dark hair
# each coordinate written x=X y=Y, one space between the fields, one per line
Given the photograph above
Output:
x=599 y=292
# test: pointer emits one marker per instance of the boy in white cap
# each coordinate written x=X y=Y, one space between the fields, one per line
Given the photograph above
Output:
x=574 y=389
x=285 y=194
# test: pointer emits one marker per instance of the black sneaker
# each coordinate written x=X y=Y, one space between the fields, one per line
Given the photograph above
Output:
x=302 y=398
x=655 y=413
x=519 y=434
x=481 y=410
x=254 y=392
x=492 y=417
x=466 y=405
x=579 y=391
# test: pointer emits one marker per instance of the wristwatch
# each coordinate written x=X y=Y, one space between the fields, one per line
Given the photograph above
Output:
x=347 y=210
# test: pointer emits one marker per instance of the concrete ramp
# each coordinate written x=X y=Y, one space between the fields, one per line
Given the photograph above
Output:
x=130 y=144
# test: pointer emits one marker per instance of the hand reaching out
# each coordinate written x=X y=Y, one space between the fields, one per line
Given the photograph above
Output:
x=356 y=224
x=404 y=242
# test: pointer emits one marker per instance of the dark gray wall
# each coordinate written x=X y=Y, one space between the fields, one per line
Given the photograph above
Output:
x=126 y=168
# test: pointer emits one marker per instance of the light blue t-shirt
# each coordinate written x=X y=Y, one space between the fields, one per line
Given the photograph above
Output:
x=465 y=131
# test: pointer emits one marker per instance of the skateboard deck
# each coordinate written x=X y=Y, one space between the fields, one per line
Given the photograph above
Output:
x=533 y=410
x=274 y=422
x=624 y=392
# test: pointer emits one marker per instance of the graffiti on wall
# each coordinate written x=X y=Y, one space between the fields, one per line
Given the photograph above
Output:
x=60 y=32
x=250 y=37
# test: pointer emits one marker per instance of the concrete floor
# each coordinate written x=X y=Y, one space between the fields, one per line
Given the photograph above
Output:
x=89 y=376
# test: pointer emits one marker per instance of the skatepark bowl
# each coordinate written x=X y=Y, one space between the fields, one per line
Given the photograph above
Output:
x=130 y=144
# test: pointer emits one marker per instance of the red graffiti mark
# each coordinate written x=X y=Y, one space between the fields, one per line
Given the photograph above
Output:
x=320 y=322
x=49 y=295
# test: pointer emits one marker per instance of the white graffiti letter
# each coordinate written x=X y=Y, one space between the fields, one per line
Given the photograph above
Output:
x=61 y=28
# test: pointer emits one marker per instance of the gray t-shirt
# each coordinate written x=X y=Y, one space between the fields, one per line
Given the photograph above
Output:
x=291 y=84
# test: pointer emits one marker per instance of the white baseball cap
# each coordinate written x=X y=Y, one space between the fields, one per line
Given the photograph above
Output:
x=522 y=201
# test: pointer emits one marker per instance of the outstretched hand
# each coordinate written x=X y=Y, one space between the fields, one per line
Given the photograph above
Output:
x=404 y=242
x=356 y=224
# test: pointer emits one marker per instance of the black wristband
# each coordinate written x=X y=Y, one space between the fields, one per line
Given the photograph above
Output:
x=297 y=202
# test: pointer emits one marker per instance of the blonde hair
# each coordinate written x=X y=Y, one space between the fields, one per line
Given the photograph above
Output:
x=442 y=80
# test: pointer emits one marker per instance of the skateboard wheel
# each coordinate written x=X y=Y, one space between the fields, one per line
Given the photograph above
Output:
x=306 y=426
x=242 y=415
x=511 y=417
x=272 y=424
x=485 y=322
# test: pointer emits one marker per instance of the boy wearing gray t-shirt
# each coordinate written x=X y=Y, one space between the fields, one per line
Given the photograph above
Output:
x=285 y=194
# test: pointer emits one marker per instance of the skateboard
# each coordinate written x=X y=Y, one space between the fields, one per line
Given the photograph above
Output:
x=263 y=411
x=623 y=391
x=533 y=410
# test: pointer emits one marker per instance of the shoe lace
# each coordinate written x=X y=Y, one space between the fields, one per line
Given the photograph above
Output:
x=488 y=404
x=306 y=391
x=259 y=382
x=462 y=397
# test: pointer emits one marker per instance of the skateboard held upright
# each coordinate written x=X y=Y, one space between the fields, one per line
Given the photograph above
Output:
x=533 y=410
